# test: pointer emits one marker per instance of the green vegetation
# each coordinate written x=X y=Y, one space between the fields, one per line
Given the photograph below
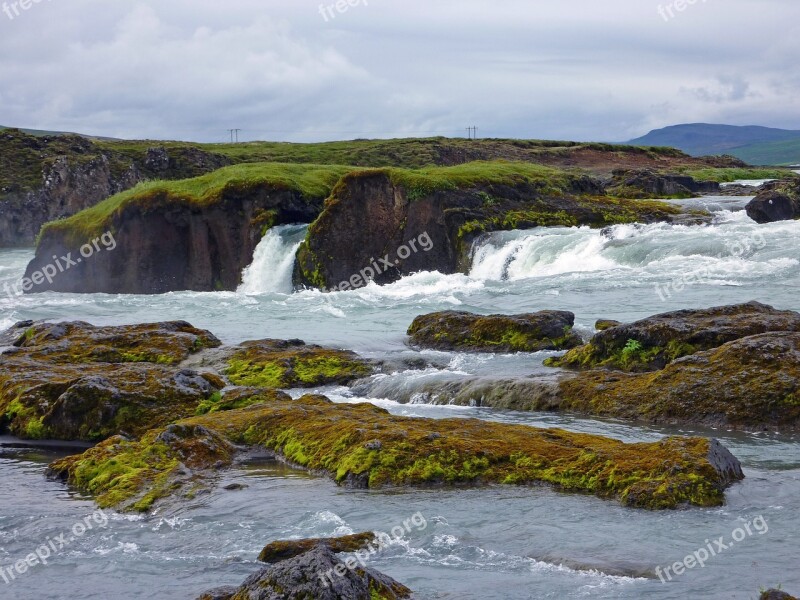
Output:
x=311 y=181
x=735 y=174
x=366 y=446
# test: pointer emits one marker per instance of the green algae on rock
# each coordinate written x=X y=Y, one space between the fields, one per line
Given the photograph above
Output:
x=652 y=343
x=293 y=364
x=74 y=381
x=452 y=330
x=364 y=446
x=749 y=383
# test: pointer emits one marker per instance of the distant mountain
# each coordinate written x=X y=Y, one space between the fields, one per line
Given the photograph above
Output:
x=754 y=144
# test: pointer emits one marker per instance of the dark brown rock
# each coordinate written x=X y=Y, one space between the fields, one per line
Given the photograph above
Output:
x=777 y=201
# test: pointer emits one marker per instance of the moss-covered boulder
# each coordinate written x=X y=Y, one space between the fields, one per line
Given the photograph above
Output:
x=361 y=445
x=652 y=343
x=750 y=383
x=74 y=381
x=775 y=595
x=317 y=573
x=276 y=552
x=292 y=364
x=463 y=331
x=777 y=201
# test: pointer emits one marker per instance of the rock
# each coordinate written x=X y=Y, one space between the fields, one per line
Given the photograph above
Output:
x=646 y=183
x=652 y=343
x=279 y=551
x=775 y=595
x=315 y=574
x=74 y=381
x=328 y=438
x=48 y=178
x=292 y=364
x=166 y=239
x=604 y=324
x=777 y=201
x=221 y=593
x=451 y=330
x=751 y=383
x=373 y=218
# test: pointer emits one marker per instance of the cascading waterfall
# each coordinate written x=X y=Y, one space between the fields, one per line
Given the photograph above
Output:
x=273 y=261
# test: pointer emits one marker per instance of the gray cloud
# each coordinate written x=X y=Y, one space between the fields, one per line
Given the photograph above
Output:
x=279 y=70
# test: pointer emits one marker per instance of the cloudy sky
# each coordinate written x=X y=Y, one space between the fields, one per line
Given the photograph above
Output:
x=296 y=70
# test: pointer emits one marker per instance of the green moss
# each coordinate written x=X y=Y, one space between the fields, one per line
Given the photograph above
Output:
x=366 y=446
x=727 y=175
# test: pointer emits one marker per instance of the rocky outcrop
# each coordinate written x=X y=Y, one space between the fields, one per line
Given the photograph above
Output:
x=48 y=178
x=777 y=201
x=651 y=343
x=316 y=573
x=750 y=383
x=380 y=225
x=363 y=446
x=73 y=381
x=279 y=551
x=166 y=239
x=462 y=331
x=645 y=183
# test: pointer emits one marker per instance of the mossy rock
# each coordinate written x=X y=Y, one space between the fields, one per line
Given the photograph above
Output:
x=74 y=381
x=361 y=445
x=750 y=383
x=775 y=595
x=288 y=364
x=276 y=552
x=652 y=343
x=463 y=331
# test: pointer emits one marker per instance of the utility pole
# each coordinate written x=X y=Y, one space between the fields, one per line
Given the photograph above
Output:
x=472 y=133
x=236 y=133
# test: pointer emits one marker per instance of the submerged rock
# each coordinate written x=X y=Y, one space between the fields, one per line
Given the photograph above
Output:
x=777 y=201
x=652 y=343
x=339 y=440
x=451 y=330
x=319 y=574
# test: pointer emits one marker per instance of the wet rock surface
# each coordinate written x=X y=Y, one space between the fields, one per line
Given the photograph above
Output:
x=777 y=201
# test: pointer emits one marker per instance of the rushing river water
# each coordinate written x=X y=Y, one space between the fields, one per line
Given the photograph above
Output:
x=503 y=543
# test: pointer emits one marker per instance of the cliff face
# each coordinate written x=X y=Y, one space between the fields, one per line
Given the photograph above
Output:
x=167 y=244
x=376 y=224
x=44 y=179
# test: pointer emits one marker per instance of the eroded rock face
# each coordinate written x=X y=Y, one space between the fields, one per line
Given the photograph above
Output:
x=361 y=445
x=371 y=216
x=650 y=344
x=645 y=183
x=452 y=330
x=313 y=574
x=74 y=381
x=777 y=201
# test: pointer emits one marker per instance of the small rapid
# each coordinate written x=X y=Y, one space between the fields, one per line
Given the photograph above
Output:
x=273 y=261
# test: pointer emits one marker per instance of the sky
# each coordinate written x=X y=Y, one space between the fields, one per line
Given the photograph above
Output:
x=305 y=70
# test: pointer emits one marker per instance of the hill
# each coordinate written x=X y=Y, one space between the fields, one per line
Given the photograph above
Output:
x=752 y=144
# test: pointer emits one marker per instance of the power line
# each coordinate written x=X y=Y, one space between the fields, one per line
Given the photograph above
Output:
x=236 y=132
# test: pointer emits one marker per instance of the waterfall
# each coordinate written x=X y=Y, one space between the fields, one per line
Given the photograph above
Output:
x=273 y=261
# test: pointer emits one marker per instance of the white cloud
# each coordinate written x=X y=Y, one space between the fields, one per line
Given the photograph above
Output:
x=191 y=69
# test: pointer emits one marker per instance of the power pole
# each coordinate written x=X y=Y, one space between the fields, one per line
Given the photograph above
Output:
x=472 y=133
x=236 y=133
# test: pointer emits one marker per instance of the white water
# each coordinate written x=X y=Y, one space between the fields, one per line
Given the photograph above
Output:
x=273 y=261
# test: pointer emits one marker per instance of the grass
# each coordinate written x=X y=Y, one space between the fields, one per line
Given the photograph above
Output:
x=728 y=175
x=309 y=180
